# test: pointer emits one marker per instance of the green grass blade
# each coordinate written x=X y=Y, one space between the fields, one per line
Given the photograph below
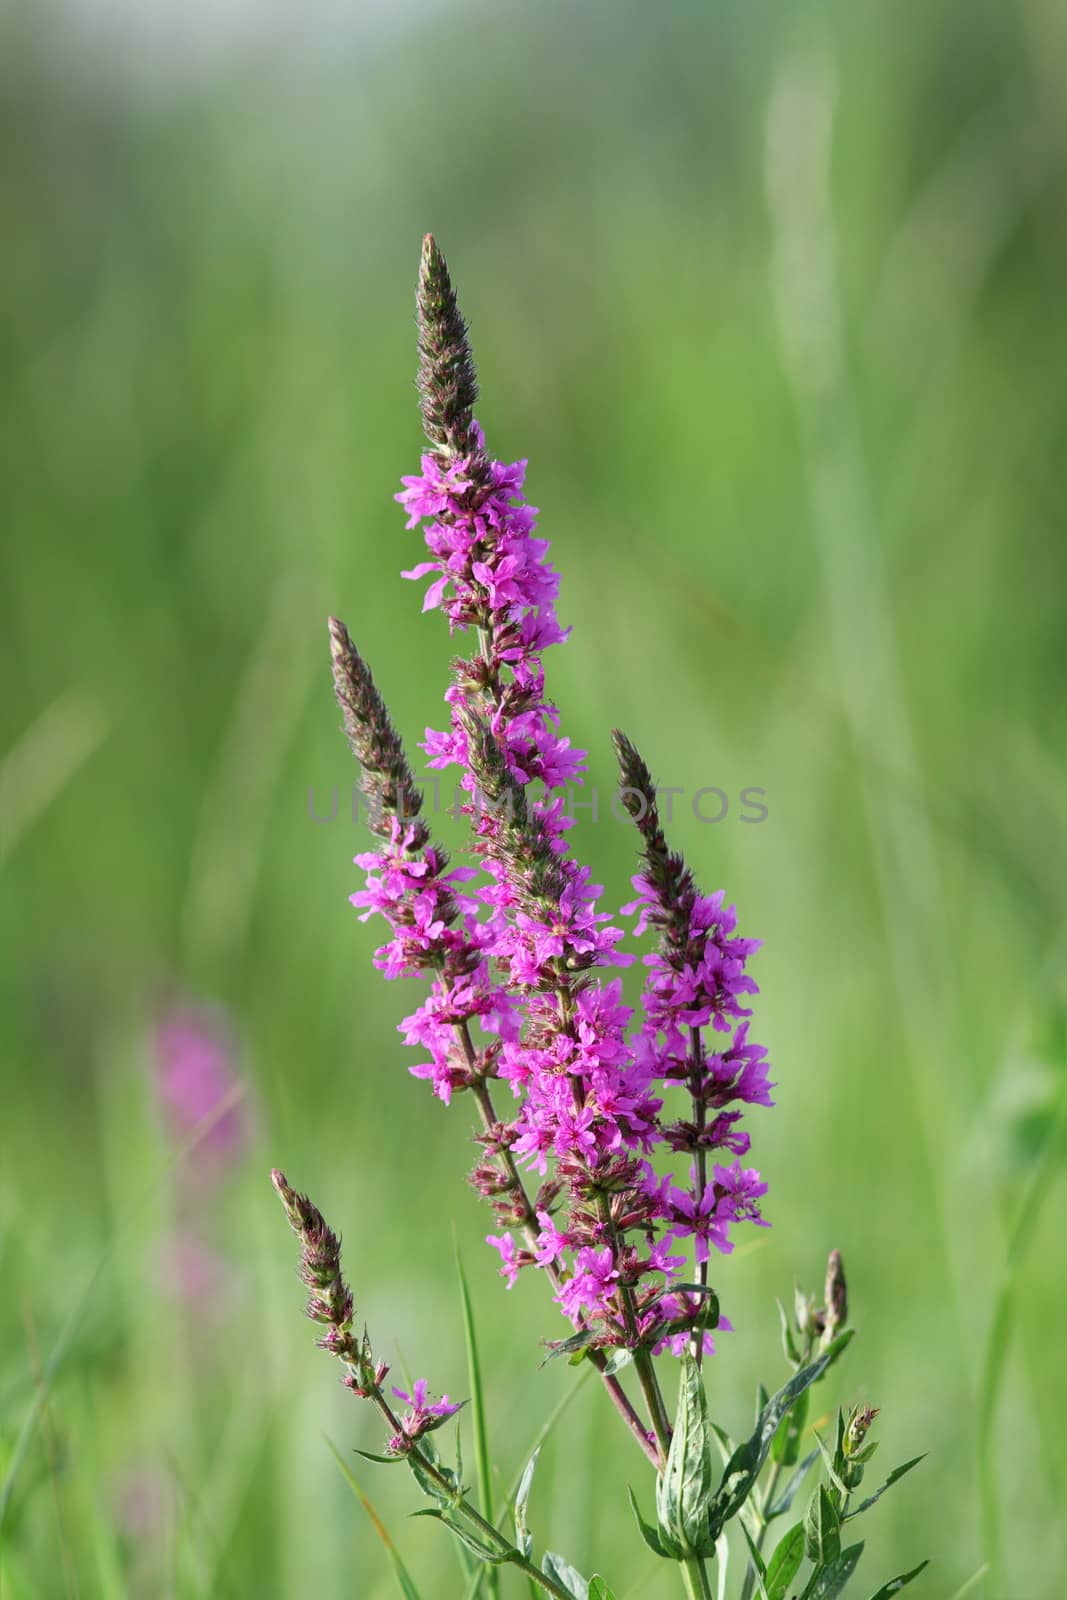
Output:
x=972 y=1582
x=478 y=1426
x=1000 y=1331
x=403 y=1577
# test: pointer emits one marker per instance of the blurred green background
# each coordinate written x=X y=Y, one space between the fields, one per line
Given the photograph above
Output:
x=772 y=297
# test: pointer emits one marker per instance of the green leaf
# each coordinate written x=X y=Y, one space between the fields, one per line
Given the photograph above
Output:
x=466 y=1536
x=895 y=1585
x=837 y=1347
x=405 y=1582
x=616 y=1361
x=789 y=1344
x=894 y=1477
x=523 y=1537
x=650 y=1535
x=564 y=1573
x=428 y=1485
x=383 y=1461
x=789 y=1493
x=759 y=1566
x=577 y=1343
x=761 y=1400
x=784 y=1564
x=785 y=1446
x=746 y=1464
x=725 y=1443
x=822 y=1528
x=828 y=1584
x=683 y=1491
x=598 y=1589
x=830 y=1463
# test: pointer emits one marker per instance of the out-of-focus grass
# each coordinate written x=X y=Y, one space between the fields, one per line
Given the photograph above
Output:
x=772 y=300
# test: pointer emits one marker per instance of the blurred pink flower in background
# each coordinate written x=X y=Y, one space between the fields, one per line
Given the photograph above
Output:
x=206 y=1106
x=199 y=1084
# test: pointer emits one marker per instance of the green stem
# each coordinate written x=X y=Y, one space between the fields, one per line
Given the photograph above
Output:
x=460 y=1505
x=695 y=1577
x=657 y=1410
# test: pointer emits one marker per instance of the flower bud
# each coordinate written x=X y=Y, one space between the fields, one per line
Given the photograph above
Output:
x=857 y=1427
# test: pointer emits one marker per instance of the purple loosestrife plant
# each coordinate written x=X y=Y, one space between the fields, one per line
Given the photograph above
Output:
x=611 y=1142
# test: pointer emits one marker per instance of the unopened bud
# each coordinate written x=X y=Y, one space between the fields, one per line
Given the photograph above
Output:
x=836 y=1310
x=857 y=1427
x=808 y=1318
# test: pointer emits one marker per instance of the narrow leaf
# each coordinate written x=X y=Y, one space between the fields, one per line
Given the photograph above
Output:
x=523 y=1537
x=789 y=1493
x=598 y=1589
x=616 y=1361
x=831 y=1580
x=895 y=1585
x=466 y=1536
x=555 y=1567
x=649 y=1533
x=578 y=1342
x=789 y=1344
x=784 y=1564
x=745 y=1465
x=894 y=1477
x=758 y=1569
x=830 y=1463
x=725 y=1443
x=785 y=1447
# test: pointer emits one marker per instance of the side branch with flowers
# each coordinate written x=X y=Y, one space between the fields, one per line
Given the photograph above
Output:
x=611 y=1142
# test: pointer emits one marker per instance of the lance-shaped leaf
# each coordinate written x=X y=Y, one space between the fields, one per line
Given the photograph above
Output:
x=619 y=1358
x=829 y=1583
x=758 y=1570
x=684 y=1489
x=822 y=1528
x=894 y=1477
x=782 y=1502
x=577 y=1344
x=746 y=1464
x=784 y=1564
x=785 y=1447
x=467 y=1536
x=789 y=1344
x=430 y=1486
x=895 y=1585
x=598 y=1588
x=831 y=1462
x=665 y=1548
x=523 y=1536
x=555 y=1567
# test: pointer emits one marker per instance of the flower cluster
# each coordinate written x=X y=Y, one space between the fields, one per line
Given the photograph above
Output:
x=330 y=1303
x=422 y=1416
x=524 y=967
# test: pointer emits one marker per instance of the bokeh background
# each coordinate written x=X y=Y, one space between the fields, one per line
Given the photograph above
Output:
x=772 y=297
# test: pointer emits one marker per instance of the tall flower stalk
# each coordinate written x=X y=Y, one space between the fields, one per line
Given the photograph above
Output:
x=620 y=1150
